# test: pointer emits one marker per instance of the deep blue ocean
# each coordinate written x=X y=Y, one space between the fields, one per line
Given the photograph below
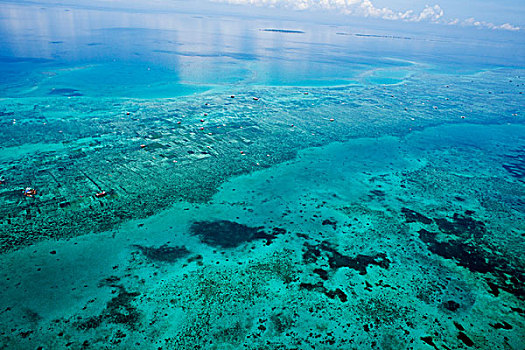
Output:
x=174 y=177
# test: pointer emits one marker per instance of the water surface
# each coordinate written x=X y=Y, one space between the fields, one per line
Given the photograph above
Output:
x=207 y=180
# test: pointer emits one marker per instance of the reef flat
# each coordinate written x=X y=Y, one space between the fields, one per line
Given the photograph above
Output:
x=148 y=154
x=386 y=216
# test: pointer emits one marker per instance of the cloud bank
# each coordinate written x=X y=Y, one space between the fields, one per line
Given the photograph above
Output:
x=349 y=7
x=481 y=24
x=365 y=8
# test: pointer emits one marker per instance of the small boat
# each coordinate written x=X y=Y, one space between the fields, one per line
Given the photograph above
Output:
x=101 y=194
x=29 y=192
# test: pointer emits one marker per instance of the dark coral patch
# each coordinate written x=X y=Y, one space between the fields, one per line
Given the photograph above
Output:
x=331 y=223
x=310 y=286
x=466 y=255
x=319 y=287
x=465 y=339
x=91 y=323
x=501 y=325
x=228 y=234
x=311 y=253
x=459 y=326
x=337 y=293
x=359 y=263
x=429 y=341
x=414 y=216
x=451 y=305
x=119 y=310
x=278 y=231
x=163 y=253
x=476 y=259
x=322 y=273
x=337 y=260
x=462 y=226
x=377 y=194
x=282 y=322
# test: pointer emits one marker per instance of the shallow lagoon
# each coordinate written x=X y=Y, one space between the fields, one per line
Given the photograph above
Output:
x=371 y=195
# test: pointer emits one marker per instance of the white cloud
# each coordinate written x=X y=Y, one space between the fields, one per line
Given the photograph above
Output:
x=350 y=7
x=471 y=22
x=430 y=13
x=366 y=8
x=508 y=26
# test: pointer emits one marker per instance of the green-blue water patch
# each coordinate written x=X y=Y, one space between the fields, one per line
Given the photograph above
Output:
x=386 y=77
x=18 y=152
x=105 y=80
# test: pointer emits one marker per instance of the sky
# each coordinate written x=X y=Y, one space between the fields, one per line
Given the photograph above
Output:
x=490 y=14
x=497 y=15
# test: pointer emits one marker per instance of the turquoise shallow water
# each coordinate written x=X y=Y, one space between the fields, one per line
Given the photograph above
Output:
x=219 y=182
